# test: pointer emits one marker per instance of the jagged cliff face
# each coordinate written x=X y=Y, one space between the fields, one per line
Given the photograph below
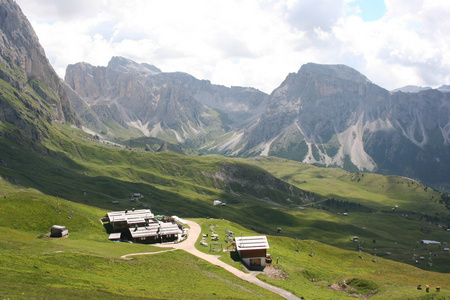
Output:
x=334 y=116
x=174 y=106
x=27 y=77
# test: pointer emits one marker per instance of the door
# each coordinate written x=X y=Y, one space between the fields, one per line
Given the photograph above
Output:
x=255 y=262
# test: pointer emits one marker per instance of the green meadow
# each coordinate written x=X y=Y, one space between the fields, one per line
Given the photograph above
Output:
x=73 y=180
x=86 y=265
x=313 y=270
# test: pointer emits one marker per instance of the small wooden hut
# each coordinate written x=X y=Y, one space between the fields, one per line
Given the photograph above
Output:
x=58 y=231
x=252 y=250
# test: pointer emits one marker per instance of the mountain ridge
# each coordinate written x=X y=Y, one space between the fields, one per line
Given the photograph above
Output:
x=329 y=115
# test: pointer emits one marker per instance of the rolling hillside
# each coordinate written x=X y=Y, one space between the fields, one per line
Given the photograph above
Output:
x=54 y=172
x=86 y=265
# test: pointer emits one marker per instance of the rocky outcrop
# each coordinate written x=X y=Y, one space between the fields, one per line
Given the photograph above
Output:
x=174 y=106
x=24 y=67
x=334 y=116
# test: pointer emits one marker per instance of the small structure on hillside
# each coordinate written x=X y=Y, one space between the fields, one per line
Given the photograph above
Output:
x=58 y=231
x=136 y=196
x=252 y=250
x=429 y=242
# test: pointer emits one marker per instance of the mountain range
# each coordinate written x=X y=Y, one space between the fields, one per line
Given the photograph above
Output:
x=327 y=115
x=72 y=150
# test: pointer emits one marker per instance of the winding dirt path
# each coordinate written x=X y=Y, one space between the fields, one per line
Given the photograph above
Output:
x=188 y=245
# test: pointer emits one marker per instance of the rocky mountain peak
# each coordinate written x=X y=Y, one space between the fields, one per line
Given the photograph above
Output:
x=126 y=65
x=412 y=89
x=444 y=88
x=338 y=71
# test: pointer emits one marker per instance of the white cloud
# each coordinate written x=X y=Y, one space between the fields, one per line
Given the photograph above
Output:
x=249 y=43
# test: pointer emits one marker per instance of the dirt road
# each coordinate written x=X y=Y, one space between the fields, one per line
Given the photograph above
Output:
x=189 y=246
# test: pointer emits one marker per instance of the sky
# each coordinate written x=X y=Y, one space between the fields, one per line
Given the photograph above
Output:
x=254 y=43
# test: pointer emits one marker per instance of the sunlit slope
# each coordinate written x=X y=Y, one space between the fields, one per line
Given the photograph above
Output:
x=86 y=265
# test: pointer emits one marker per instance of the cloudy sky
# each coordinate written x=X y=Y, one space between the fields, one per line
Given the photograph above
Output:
x=252 y=42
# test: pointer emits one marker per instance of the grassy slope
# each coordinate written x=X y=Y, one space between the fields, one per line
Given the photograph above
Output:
x=86 y=171
x=310 y=277
x=397 y=231
x=86 y=265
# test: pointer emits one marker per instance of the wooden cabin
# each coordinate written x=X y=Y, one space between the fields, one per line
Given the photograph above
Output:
x=252 y=250
x=169 y=232
x=127 y=218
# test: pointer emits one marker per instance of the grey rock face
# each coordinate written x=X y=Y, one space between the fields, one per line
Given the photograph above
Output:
x=329 y=115
x=24 y=66
x=334 y=116
x=171 y=105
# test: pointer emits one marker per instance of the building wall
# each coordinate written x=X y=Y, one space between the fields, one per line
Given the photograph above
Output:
x=254 y=261
x=253 y=257
x=252 y=253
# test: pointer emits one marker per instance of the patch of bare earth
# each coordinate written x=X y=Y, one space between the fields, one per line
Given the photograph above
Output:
x=275 y=272
x=341 y=287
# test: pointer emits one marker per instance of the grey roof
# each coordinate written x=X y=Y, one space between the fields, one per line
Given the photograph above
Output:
x=58 y=227
x=114 y=236
x=144 y=232
x=132 y=215
x=251 y=243
x=169 y=228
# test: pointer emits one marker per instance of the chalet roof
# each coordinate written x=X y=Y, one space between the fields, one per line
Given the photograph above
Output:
x=58 y=227
x=153 y=229
x=137 y=220
x=251 y=243
x=169 y=228
x=122 y=216
x=144 y=232
x=114 y=236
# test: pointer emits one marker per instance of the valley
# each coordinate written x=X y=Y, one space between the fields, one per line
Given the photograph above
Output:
x=345 y=178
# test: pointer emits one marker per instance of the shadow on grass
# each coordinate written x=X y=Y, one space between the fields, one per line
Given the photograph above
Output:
x=108 y=227
x=235 y=256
